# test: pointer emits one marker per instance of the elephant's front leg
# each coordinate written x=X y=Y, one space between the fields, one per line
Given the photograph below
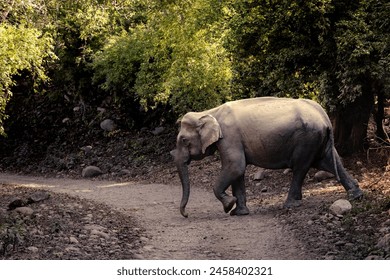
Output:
x=238 y=187
x=230 y=176
x=220 y=192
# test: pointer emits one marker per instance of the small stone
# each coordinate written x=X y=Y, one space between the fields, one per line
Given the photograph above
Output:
x=38 y=196
x=144 y=239
x=91 y=171
x=33 y=249
x=323 y=175
x=148 y=248
x=158 y=130
x=108 y=125
x=87 y=149
x=27 y=211
x=264 y=190
x=259 y=175
x=101 y=110
x=384 y=243
x=100 y=233
x=125 y=172
x=65 y=120
x=286 y=171
x=72 y=249
x=73 y=240
x=17 y=202
x=340 y=207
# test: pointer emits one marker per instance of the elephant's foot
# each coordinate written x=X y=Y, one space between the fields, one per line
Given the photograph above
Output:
x=239 y=211
x=228 y=203
x=291 y=203
x=355 y=194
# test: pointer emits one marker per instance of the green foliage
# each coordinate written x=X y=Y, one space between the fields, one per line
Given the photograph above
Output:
x=336 y=52
x=80 y=29
x=115 y=66
x=177 y=57
x=377 y=15
x=22 y=48
x=195 y=54
x=353 y=47
x=275 y=44
x=332 y=51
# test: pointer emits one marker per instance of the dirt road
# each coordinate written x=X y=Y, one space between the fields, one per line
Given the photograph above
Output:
x=208 y=233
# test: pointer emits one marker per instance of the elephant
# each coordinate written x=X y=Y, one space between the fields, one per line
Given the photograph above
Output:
x=269 y=132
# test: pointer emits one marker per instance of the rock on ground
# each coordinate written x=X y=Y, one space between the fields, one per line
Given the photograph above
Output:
x=27 y=211
x=259 y=175
x=384 y=243
x=158 y=130
x=340 y=207
x=38 y=197
x=91 y=171
x=108 y=125
x=323 y=175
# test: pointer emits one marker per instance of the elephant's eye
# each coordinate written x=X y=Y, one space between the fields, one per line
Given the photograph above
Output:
x=185 y=141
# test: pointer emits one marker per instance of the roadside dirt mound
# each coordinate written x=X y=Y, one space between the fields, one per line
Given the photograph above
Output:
x=63 y=227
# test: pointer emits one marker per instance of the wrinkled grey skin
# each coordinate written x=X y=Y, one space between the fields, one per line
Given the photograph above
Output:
x=269 y=132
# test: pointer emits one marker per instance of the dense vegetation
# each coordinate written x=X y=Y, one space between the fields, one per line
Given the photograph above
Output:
x=152 y=60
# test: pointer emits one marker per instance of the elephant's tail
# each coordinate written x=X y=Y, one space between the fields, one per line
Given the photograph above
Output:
x=331 y=148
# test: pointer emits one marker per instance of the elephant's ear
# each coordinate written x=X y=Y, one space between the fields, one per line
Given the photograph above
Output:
x=209 y=130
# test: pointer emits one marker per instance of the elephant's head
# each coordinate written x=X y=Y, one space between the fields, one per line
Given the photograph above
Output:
x=198 y=132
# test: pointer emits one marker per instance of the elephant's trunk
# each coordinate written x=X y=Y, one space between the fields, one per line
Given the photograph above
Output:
x=185 y=182
x=182 y=168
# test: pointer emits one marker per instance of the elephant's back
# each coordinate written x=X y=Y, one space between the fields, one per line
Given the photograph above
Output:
x=278 y=110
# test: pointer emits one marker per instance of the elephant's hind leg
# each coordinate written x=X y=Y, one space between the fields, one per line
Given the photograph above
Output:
x=294 y=197
x=301 y=166
x=349 y=184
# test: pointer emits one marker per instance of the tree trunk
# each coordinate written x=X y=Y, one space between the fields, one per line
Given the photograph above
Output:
x=379 y=117
x=350 y=124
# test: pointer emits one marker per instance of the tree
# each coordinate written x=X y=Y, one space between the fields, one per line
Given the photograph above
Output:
x=36 y=31
x=332 y=51
x=22 y=49
x=378 y=17
x=175 y=57
x=142 y=55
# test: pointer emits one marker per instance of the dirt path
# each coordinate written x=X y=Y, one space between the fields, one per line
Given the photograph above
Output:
x=207 y=234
